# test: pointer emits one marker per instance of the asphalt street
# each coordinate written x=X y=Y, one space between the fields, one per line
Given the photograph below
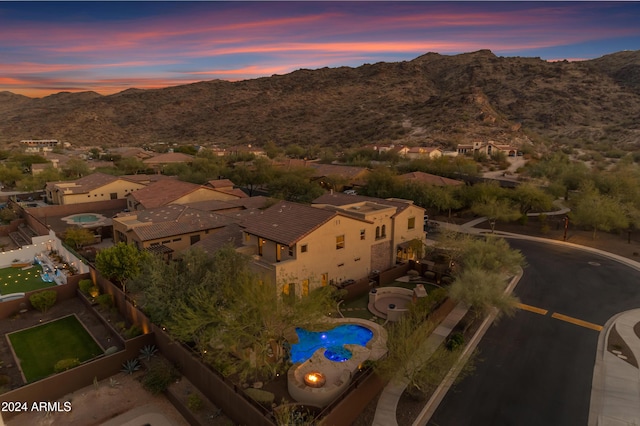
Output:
x=536 y=367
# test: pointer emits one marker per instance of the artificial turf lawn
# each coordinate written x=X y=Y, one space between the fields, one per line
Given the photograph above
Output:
x=39 y=348
x=27 y=280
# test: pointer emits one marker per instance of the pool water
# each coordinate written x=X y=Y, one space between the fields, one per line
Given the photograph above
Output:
x=83 y=218
x=332 y=341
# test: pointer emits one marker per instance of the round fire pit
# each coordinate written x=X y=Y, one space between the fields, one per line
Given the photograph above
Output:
x=314 y=379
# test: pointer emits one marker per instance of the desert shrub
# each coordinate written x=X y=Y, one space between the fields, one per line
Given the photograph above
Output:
x=132 y=332
x=85 y=286
x=263 y=397
x=105 y=300
x=43 y=300
x=160 y=373
x=66 y=364
x=194 y=402
x=455 y=341
x=523 y=220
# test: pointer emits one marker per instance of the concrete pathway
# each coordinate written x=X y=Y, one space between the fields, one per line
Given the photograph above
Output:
x=388 y=402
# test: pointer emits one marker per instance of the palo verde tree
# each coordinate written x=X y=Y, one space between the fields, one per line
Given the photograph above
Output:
x=78 y=237
x=121 y=262
x=483 y=265
x=598 y=211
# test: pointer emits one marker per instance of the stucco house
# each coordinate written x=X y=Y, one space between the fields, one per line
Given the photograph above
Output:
x=418 y=152
x=168 y=229
x=339 y=238
x=488 y=148
x=173 y=191
x=96 y=187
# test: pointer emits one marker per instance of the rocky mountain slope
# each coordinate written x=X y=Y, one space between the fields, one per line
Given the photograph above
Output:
x=433 y=99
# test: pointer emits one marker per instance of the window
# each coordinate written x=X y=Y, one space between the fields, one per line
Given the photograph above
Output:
x=247 y=237
x=384 y=231
x=305 y=287
x=304 y=248
x=362 y=234
x=340 y=242
x=377 y=232
x=411 y=223
x=177 y=239
x=290 y=251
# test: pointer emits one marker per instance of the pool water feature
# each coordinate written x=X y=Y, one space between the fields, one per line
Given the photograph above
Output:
x=332 y=341
x=85 y=218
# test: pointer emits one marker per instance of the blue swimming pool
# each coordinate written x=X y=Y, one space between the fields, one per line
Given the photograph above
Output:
x=332 y=341
x=84 y=218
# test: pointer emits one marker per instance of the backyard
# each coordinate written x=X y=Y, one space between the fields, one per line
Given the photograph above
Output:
x=18 y=280
x=40 y=347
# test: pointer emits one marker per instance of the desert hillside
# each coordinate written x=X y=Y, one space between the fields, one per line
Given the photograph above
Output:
x=433 y=99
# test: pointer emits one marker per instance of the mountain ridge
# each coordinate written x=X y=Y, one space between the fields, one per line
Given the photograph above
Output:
x=433 y=99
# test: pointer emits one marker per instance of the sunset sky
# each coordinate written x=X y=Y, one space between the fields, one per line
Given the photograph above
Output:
x=107 y=47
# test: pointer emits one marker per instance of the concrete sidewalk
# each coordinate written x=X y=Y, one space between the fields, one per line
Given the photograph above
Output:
x=615 y=390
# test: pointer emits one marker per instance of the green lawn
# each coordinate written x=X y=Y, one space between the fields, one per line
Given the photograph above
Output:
x=39 y=348
x=15 y=280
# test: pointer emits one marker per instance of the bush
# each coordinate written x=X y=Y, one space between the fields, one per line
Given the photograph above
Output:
x=263 y=397
x=132 y=332
x=85 y=286
x=159 y=376
x=66 y=364
x=194 y=402
x=455 y=341
x=43 y=300
x=105 y=300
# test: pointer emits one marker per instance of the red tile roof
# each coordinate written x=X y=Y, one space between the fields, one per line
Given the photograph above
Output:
x=286 y=223
x=430 y=179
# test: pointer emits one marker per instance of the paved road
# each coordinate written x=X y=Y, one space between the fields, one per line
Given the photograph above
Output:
x=537 y=367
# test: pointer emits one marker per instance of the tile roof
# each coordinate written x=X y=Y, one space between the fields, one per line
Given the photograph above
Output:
x=350 y=172
x=229 y=235
x=340 y=199
x=430 y=179
x=170 y=157
x=164 y=192
x=84 y=184
x=286 y=222
x=221 y=183
x=175 y=219
x=258 y=202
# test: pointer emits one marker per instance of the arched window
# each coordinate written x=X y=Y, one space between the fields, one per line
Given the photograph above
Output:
x=377 y=232
x=384 y=231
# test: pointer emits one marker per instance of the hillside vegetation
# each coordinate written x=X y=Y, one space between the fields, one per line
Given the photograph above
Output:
x=433 y=99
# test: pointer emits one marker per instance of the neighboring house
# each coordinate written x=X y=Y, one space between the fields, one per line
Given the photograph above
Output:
x=167 y=229
x=134 y=152
x=37 y=145
x=93 y=187
x=172 y=191
x=350 y=175
x=227 y=187
x=159 y=161
x=339 y=238
x=487 y=148
x=418 y=152
x=430 y=179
